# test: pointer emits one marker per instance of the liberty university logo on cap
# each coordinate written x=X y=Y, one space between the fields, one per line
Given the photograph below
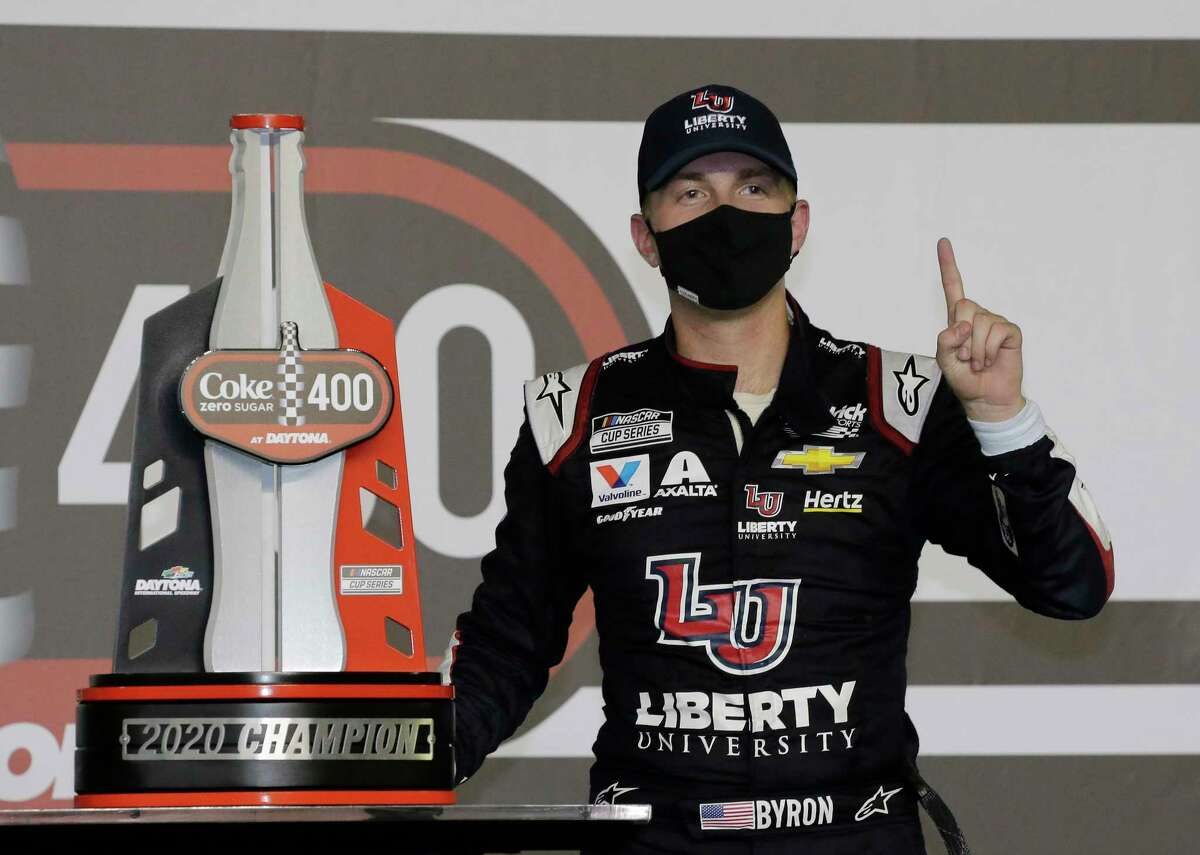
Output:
x=712 y=102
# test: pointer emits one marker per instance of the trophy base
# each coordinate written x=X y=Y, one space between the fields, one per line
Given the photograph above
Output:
x=259 y=738
x=261 y=798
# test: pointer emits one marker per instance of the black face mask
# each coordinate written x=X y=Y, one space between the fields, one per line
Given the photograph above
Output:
x=728 y=258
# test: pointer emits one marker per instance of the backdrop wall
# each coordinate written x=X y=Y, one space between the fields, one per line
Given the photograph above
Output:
x=489 y=215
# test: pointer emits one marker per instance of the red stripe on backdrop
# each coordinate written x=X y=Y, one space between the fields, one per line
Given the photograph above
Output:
x=350 y=171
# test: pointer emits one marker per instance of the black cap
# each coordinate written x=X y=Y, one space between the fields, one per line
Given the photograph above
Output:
x=703 y=120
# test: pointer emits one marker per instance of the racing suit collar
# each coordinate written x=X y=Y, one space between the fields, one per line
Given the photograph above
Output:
x=799 y=396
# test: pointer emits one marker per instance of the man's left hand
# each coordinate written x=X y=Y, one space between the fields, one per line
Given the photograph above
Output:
x=979 y=352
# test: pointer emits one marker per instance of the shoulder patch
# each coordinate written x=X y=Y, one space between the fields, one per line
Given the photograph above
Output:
x=551 y=401
x=839 y=346
x=902 y=388
x=628 y=356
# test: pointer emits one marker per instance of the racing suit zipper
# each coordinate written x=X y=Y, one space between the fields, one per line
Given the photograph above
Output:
x=736 y=492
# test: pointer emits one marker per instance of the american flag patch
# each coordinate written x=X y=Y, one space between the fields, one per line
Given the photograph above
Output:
x=716 y=815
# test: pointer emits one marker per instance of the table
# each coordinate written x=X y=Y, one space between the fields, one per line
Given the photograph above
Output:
x=364 y=828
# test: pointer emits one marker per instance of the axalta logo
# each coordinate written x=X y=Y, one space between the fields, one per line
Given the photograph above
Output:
x=686 y=476
x=818 y=460
x=619 y=480
x=745 y=627
x=839 y=349
x=817 y=501
x=847 y=421
x=619 y=431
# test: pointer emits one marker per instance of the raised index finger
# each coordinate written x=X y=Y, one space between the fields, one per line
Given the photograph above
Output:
x=951 y=280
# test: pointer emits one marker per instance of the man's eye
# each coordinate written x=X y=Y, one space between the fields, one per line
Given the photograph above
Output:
x=691 y=193
x=755 y=188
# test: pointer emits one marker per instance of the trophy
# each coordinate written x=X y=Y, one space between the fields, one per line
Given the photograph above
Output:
x=269 y=647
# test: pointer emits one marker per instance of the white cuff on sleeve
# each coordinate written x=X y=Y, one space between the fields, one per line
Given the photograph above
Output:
x=1025 y=428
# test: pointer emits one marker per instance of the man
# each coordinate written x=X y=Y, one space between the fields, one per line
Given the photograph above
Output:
x=747 y=496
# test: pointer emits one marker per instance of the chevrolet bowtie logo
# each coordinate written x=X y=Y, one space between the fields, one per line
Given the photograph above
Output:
x=818 y=459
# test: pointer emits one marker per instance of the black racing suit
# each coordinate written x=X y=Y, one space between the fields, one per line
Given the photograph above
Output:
x=752 y=604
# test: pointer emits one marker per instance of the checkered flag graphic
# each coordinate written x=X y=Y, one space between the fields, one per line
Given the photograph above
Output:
x=290 y=369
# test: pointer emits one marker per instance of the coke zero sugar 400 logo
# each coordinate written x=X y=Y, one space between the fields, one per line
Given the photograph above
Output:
x=286 y=406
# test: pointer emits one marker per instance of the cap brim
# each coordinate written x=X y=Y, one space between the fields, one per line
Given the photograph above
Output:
x=685 y=156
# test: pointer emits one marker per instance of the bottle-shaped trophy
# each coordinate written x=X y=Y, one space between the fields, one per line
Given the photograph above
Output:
x=269 y=646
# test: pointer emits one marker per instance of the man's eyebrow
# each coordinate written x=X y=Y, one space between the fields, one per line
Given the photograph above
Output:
x=756 y=172
x=688 y=176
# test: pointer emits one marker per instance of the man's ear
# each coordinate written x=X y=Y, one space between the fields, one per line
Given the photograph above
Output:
x=643 y=240
x=799 y=225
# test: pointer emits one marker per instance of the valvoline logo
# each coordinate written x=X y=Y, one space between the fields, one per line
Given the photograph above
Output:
x=620 y=479
x=617 y=479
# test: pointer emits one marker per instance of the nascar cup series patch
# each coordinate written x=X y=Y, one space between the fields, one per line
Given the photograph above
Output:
x=619 y=431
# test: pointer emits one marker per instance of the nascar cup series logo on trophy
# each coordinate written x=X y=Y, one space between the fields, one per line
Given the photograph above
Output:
x=270 y=627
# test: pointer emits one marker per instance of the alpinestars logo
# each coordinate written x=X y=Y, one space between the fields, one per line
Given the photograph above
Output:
x=553 y=389
x=878 y=803
x=767 y=504
x=712 y=102
x=909 y=383
x=611 y=793
x=745 y=627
